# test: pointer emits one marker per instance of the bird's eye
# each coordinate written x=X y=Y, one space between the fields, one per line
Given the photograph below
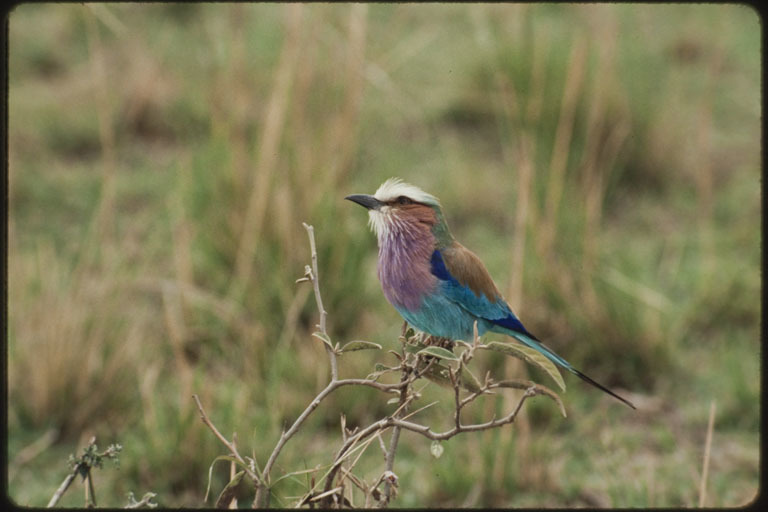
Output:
x=403 y=200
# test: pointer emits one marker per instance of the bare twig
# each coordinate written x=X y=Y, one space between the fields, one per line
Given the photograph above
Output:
x=424 y=430
x=233 y=472
x=395 y=439
x=319 y=299
x=456 y=395
x=63 y=487
x=383 y=447
x=287 y=434
x=90 y=492
x=476 y=427
x=230 y=445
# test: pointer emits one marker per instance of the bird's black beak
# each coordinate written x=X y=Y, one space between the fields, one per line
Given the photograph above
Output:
x=369 y=202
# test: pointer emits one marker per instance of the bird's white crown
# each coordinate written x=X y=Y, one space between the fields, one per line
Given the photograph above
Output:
x=395 y=187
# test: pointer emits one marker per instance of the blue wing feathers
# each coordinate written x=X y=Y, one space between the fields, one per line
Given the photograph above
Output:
x=496 y=312
x=492 y=313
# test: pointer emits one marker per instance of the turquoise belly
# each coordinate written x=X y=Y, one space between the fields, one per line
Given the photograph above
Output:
x=441 y=317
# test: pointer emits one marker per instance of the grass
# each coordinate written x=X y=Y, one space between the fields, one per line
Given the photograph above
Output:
x=603 y=160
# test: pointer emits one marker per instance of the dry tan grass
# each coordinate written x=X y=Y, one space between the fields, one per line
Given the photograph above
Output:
x=76 y=345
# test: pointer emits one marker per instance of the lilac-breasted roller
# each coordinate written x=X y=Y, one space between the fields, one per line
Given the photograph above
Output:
x=439 y=286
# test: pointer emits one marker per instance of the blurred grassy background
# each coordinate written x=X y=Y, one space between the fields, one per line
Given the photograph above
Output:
x=603 y=160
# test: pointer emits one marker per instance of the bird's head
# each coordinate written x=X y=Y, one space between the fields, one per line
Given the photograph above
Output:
x=397 y=205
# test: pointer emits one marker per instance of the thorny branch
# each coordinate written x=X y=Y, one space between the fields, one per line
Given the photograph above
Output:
x=412 y=367
x=397 y=423
x=394 y=440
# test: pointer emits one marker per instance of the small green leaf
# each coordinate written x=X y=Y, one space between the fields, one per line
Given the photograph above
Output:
x=229 y=491
x=294 y=473
x=537 y=388
x=439 y=352
x=359 y=345
x=469 y=381
x=210 y=470
x=436 y=449
x=380 y=369
x=439 y=374
x=324 y=337
x=413 y=347
x=529 y=355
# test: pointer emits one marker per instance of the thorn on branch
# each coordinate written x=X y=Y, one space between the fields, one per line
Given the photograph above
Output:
x=308 y=276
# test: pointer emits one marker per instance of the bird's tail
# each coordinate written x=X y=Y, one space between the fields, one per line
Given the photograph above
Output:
x=535 y=344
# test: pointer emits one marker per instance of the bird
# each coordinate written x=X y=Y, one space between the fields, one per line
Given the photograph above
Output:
x=436 y=284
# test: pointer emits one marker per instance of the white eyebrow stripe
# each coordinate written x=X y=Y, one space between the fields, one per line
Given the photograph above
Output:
x=395 y=187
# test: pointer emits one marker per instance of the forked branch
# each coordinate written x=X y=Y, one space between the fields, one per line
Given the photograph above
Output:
x=413 y=365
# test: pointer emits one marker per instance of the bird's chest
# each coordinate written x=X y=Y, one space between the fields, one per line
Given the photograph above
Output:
x=404 y=272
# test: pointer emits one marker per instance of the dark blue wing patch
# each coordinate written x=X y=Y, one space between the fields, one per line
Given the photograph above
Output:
x=511 y=322
x=438 y=268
